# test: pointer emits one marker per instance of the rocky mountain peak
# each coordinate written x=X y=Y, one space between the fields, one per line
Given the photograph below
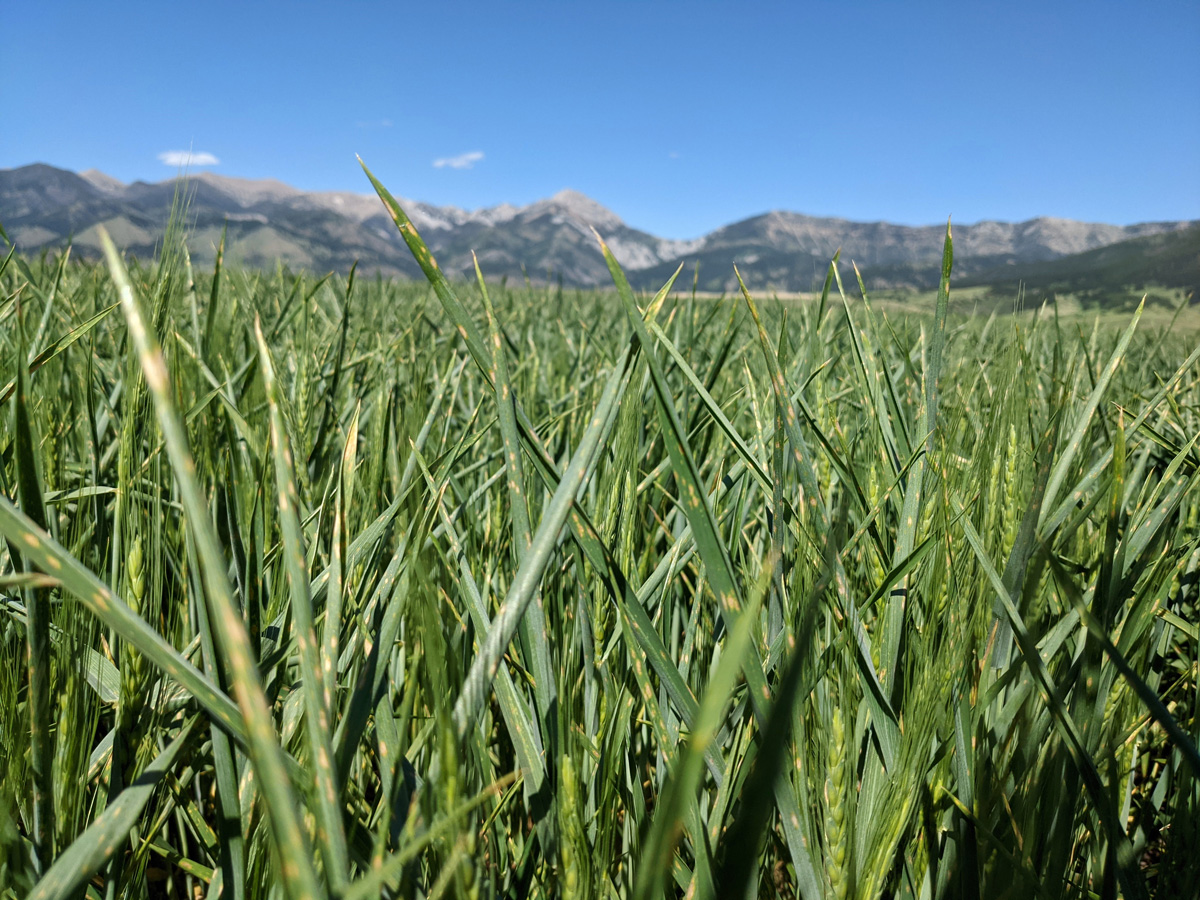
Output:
x=102 y=182
x=246 y=192
x=577 y=206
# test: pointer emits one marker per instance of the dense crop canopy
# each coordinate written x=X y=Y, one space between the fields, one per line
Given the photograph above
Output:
x=340 y=587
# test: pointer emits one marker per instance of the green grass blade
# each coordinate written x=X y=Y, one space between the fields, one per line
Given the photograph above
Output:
x=1075 y=439
x=1051 y=520
x=59 y=346
x=1024 y=546
x=1157 y=709
x=870 y=379
x=37 y=612
x=229 y=824
x=885 y=721
x=938 y=343
x=743 y=839
x=1132 y=880
x=214 y=297
x=534 y=633
x=391 y=866
x=52 y=559
x=106 y=835
x=713 y=408
x=340 y=576
x=52 y=295
x=700 y=516
x=506 y=411
x=713 y=552
x=521 y=730
x=317 y=701
x=222 y=391
x=454 y=308
x=659 y=845
x=524 y=583
x=265 y=752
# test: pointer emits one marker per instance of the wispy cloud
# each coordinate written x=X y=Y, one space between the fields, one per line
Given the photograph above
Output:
x=177 y=158
x=374 y=123
x=462 y=161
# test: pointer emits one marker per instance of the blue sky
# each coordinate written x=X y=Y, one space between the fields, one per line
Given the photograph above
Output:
x=680 y=116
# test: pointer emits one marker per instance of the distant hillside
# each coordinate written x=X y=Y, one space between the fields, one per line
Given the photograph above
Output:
x=270 y=222
x=1170 y=259
x=791 y=252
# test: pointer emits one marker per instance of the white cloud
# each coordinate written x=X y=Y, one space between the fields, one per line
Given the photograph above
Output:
x=462 y=161
x=178 y=158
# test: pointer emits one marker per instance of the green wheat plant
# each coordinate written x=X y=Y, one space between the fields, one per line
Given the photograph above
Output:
x=343 y=587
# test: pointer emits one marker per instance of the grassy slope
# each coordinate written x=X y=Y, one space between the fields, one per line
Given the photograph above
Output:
x=1169 y=260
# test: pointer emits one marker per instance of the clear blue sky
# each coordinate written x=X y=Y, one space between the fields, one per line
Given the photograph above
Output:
x=680 y=116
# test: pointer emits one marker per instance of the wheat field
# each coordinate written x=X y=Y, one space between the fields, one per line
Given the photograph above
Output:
x=341 y=587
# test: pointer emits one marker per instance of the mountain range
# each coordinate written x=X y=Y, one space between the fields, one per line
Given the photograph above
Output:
x=45 y=207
